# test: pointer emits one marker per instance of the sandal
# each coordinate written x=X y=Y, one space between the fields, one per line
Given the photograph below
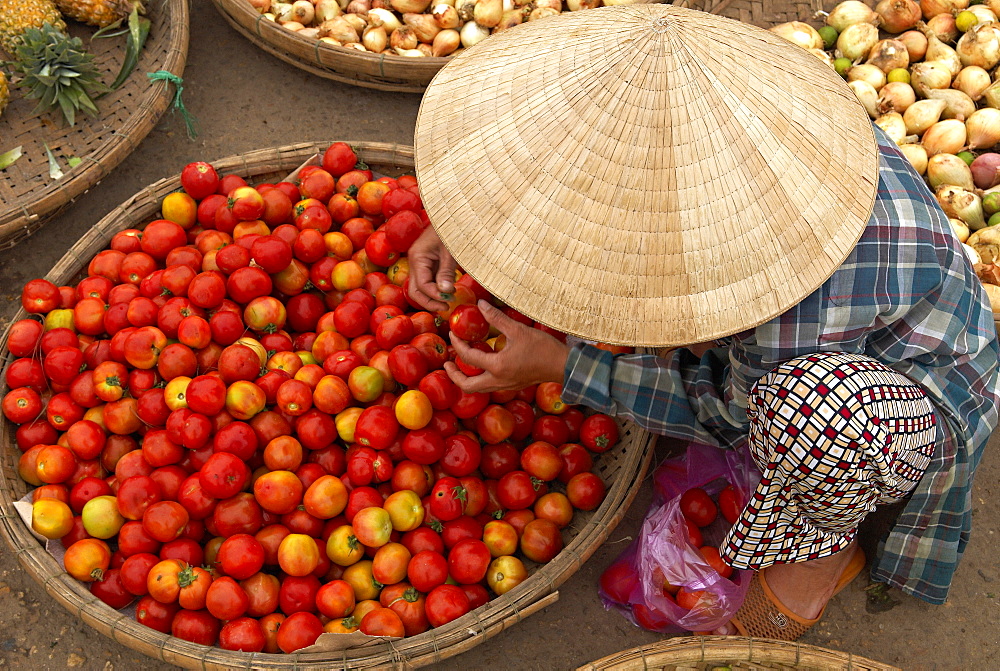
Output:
x=763 y=616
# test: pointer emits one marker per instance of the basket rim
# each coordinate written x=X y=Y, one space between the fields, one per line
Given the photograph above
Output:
x=24 y=216
x=284 y=44
x=534 y=593
x=695 y=649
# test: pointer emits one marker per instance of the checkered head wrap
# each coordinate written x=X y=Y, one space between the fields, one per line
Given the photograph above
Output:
x=834 y=435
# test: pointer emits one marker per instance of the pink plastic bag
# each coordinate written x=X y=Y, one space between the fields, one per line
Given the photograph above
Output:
x=633 y=584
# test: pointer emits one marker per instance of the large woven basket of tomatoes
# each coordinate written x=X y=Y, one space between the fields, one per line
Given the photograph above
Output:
x=238 y=446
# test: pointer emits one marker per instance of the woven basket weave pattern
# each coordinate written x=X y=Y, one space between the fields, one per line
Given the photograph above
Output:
x=620 y=468
x=28 y=196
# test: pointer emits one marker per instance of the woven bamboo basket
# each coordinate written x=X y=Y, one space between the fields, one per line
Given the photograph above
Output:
x=765 y=13
x=620 y=468
x=28 y=196
x=704 y=653
x=347 y=66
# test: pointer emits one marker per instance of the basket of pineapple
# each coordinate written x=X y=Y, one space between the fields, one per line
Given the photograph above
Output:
x=76 y=97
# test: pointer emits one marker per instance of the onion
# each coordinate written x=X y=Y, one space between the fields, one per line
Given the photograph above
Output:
x=576 y=5
x=943 y=27
x=303 y=11
x=446 y=16
x=375 y=38
x=409 y=53
x=856 y=41
x=959 y=228
x=889 y=55
x=896 y=97
x=410 y=6
x=511 y=18
x=867 y=73
x=983 y=13
x=915 y=43
x=339 y=29
x=465 y=8
x=893 y=125
x=898 y=15
x=327 y=9
x=262 y=6
x=542 y=13
x=823 y=56
x=942 y=53
x=931 y=8
x=948 y=169
x=972 y=81
x=403 y=38
x=386 y=19
x=488 y=13
x=979 y=46
x=993 y=6
x=922 y=114
x=983 y=128
x=868 y=96
x=985 y=170
x=798 y=33
x=848 y=13
x=961 y=204
x=293 y=26
x=944 y=137
x=446 y=42
x=957 y=104
x=916 y=155
x=992 y=94
x=357 y=22
x=473 y=33
x=424 y=26
x=928 y=76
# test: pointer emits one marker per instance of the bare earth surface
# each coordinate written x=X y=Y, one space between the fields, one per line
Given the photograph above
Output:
x=245 y=99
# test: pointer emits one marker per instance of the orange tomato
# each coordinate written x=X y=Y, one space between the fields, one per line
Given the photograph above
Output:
x=413 y=409
x=87 y=559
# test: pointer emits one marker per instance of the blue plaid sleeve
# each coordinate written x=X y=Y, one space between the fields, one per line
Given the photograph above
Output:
x=679 y=395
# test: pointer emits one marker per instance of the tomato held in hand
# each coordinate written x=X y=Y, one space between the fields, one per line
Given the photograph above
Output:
x=698 y=506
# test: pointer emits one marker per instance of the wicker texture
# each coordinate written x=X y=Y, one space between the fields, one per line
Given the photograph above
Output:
x=347 y=66
x=698 y=653
x=620 y=468
x=671 y=177
x=763 y=13
x=28 y=196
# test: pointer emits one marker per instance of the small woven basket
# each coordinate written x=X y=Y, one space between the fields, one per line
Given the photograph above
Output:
x=705 y=653
x=347 y=66
x=28 y=196
x=620 y=468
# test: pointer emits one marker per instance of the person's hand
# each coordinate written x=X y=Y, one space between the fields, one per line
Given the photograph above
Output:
x=530 y=357
x=432 y=271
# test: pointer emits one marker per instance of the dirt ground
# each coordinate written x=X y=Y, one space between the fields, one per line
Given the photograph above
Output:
x=244 y=99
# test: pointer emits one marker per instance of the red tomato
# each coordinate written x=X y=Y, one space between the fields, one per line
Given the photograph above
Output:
x=244 y=634
x=618 y=581
x=698 y=506
x=447 y=499
x=517 y=490
x=299 y=630
x=445 y=603
x=694 y=533
x=585 y=491
x=714 y=559
x=599 y=433
x=729 y=504
x=427 y=569
x=468 y=561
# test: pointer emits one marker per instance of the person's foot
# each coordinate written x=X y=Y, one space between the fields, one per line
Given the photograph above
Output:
x=803 y=588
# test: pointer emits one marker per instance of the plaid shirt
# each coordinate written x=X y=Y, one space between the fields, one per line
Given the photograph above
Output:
x=907 y=297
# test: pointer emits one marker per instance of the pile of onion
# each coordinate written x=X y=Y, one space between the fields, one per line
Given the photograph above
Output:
x=413 y=28
x=928 y=73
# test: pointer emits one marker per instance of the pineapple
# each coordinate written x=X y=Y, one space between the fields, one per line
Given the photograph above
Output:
x=98 y=13
x=16 y=16
x=4 y=91
x=56 y=71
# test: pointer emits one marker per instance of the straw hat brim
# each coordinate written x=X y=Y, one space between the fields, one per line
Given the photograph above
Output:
x=645 y=174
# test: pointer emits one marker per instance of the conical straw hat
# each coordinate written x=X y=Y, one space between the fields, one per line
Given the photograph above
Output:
x=645 y=174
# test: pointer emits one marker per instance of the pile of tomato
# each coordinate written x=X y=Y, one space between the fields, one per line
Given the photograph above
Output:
x=239 y=418
x=620 y=582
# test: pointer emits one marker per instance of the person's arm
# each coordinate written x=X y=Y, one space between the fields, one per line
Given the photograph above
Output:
x=682 y=396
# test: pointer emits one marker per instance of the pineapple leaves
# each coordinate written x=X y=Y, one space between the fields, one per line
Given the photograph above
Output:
x=138 y=30
x=57 y=72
